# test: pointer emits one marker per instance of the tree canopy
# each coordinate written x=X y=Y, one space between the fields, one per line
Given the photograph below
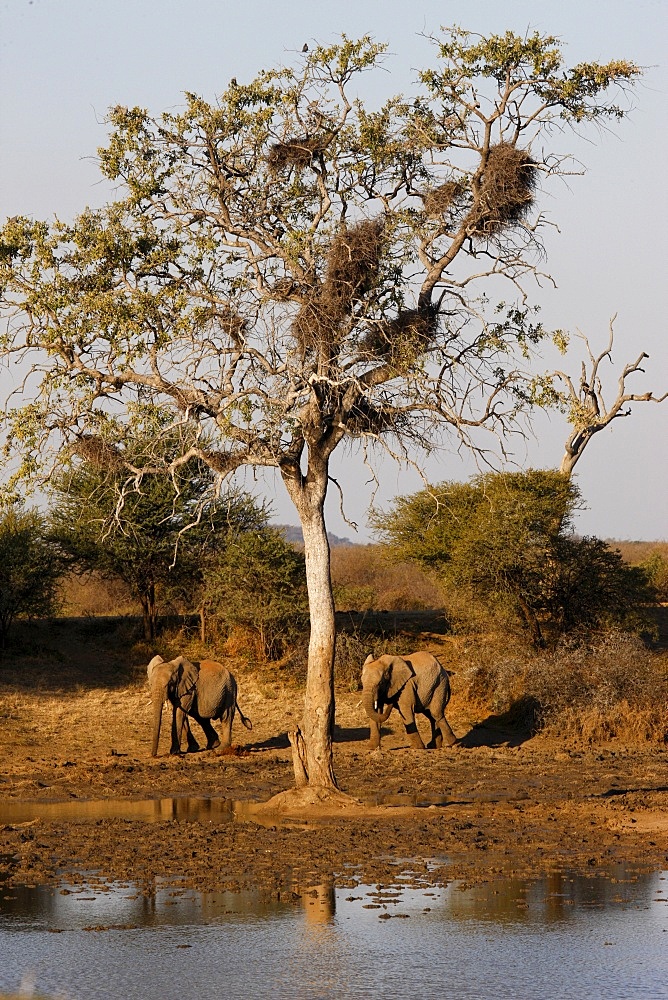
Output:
x=506 y=539
x=289 y=267
x=30 y=568
x=157 y=535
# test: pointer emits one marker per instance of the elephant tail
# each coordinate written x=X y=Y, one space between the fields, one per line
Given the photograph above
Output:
x=247 y=722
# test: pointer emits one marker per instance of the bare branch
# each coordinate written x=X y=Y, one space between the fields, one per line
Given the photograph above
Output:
x=588 y=411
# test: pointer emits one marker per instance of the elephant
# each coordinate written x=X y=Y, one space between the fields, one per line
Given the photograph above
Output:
x=204 y=691
x=412 y=684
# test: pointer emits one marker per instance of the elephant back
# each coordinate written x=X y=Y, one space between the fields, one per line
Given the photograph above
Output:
x=216 y=690
x=431 y=677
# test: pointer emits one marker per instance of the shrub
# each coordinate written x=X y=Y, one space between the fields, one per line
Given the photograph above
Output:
x=92 y=594
x=609 y=687
x=258 y=584
x=505 y=539
x=656 y=570
x=30 y=569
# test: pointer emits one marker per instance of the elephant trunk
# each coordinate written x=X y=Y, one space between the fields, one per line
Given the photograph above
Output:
x=369 y=701
x=158 y=699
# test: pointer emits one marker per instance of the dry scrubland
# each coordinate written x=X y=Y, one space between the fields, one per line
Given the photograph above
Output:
x=587 y=790
x=614 y=688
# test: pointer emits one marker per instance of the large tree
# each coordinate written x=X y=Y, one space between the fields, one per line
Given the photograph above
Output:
x=291 y=268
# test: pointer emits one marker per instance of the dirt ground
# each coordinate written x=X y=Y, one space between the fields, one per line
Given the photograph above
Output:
x=76 y=729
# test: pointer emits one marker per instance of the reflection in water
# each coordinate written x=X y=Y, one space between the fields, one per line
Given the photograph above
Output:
x=562 y=936
x=149 y=810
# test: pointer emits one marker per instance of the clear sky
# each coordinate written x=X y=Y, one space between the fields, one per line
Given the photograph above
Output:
x=64 y=62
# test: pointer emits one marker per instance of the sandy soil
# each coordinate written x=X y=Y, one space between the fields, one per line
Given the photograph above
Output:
x=497 y=804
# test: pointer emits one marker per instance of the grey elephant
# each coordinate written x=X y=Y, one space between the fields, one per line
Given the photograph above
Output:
x=202 y=691
x=414 y=684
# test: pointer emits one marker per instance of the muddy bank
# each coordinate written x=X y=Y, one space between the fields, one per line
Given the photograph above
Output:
x=501 y=812
x=498 y=804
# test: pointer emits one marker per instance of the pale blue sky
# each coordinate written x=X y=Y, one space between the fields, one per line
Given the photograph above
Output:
x=64 y=62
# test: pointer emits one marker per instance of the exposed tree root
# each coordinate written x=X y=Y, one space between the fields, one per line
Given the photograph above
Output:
x=309 y=799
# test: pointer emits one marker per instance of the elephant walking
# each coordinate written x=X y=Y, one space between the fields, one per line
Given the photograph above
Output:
x=414 y=684
x=202 y=691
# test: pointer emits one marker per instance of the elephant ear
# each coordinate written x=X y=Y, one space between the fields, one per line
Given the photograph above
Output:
x=398 y=673
x=183 y=683
x=155 y=662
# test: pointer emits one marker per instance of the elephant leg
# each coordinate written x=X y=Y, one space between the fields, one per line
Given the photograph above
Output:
x=447 y=735
x=193 y=745
x=406 y=708
x=436 y=737
x=226 y=731
x=412 y=730
x=178 y=719
x=212 y=740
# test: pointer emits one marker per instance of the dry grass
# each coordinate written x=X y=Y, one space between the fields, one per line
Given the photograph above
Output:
x=90 y=594
x=636 y=553
x=652 y=557
x=364 y=581
x=612 y=687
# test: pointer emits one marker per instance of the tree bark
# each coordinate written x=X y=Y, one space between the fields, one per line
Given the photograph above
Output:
x=532 y=622
x=146 y=618
x=308 y=494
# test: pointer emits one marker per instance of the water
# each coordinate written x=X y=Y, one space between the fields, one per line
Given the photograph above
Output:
x=191 y=808
x=561 y=937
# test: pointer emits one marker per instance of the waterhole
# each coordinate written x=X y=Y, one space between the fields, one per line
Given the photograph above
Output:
x=561 y=936
x=149 y=810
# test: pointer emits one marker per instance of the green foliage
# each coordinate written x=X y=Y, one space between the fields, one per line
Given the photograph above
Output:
x=30 y=569
x=505 y=540
x=155 y=532
x=258 y=583
x=210 y=282
x=655 y=568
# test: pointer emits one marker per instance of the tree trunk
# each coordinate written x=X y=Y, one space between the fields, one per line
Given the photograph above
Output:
x=308 y=494
x=532 y=622
x=319 y=701
x=152 y=610
x=146 y=617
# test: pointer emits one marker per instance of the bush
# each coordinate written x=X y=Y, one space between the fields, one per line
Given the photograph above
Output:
x=505 y=540
x=258 y=585
x=92 y=594
x=30 y=569
x=609 y=687
x=656 y=569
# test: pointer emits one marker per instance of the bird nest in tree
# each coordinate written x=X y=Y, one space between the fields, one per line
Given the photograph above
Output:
x=233 y=325
x=365 y=418
x=98 y=452
x=297 y=152
x=506 y=190
x=352 y=269
x=403 y=339
x=441 y=199
x=352 y=264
